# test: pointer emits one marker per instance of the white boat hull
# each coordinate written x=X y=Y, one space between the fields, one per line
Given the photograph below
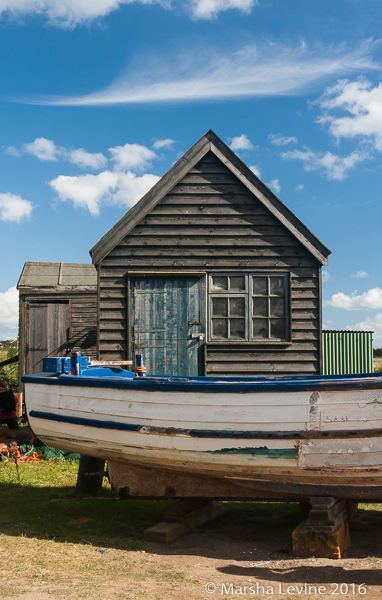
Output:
x=299 y=437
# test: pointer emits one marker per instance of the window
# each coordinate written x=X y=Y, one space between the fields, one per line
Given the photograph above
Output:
x=248 y=307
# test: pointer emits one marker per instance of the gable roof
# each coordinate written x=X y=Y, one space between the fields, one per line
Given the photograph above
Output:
x=210 y=142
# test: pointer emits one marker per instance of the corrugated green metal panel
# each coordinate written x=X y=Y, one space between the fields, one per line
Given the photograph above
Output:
x=346 y=352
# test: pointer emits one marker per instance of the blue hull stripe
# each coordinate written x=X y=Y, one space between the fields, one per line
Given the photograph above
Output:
x=200 y=433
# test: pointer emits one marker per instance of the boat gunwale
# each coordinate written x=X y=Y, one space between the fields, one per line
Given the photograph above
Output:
x=312 y=383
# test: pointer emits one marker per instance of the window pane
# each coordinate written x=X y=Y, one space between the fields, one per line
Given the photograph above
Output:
x=260 y=286
x=219 y=307
x=237 y=283
x=237 y=307
x=220 y=283
x=237 y=328
x=220 y=328
x=277 y=307
x=277 y=328
x=260 y=307
x=260 y=328
x=277 y=286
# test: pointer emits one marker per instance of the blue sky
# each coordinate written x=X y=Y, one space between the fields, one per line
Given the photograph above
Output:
x=100 y=97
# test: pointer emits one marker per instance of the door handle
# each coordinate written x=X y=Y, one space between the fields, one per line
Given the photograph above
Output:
x=194 y=323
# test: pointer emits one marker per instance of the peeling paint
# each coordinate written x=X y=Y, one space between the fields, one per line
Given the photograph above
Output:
x=291 y=453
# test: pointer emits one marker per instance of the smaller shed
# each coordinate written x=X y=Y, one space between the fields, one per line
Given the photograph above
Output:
x=58 y=312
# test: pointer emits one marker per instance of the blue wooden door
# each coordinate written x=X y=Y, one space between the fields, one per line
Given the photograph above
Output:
x=168 y=323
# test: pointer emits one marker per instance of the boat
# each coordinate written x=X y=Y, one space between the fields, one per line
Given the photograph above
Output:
x=302 y=435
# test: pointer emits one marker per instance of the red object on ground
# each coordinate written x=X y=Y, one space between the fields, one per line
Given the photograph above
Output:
x=10 y=415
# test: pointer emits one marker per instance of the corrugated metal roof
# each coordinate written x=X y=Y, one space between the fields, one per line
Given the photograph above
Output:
x=47 y=274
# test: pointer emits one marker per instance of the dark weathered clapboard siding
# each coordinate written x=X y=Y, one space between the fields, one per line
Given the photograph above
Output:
x=82 y=305
x=113 y=317
x=209 y=222
x=83 y=325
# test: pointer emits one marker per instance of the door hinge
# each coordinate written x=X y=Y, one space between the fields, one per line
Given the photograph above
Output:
x=194 y=323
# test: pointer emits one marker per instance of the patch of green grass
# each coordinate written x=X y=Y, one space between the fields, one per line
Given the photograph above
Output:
x=44 y=504
x=372 y=513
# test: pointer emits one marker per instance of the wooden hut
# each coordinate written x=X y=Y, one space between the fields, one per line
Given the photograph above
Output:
x=211 y=274
x=58 y=312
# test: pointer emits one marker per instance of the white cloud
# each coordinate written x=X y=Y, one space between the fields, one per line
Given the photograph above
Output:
x=9 y=313
x=299 y=188
x=87 y=160
x=63 y=13
x=360 y=275
x=14 y=208
x=363 y=102
x=275 y=186
x=241 y=142
x=70 y=13
x=256 y=170
x=280 y=140
x=208 y=9
x=131 y=156
x=86 y=190
x=167 y=143
x=334 y=166
x=370 y=300
x=267 y=70
x=370 y=324
x=108 y=187
x=43 y=149
x=325 y=276
x=131 y=188
x=47 y=150
x=13 y=151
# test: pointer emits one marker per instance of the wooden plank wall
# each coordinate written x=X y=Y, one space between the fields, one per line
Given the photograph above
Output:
x=211 y=222
x=83 y=324
x=82 y=320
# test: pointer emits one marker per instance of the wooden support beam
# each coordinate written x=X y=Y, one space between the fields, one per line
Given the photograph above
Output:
x=182 y=516
x=90 y=474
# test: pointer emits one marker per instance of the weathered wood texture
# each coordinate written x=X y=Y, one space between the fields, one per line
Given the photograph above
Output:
x=83 y=325
x=211 y=222
x=41 y=318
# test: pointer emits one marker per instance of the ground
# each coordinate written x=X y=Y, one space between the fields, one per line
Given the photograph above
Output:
x=56 y=543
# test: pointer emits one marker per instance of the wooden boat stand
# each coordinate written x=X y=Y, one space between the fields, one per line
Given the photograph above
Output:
x=181 y=516
x=324 y=533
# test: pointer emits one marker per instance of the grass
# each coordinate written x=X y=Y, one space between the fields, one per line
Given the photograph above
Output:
x=57 y=541
x=56 y=511
x=52 y=539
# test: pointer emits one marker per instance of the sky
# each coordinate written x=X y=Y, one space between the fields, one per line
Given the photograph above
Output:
x=99 y=98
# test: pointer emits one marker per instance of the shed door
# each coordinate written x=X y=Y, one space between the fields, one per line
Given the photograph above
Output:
x=48 y=333
x=168 y=316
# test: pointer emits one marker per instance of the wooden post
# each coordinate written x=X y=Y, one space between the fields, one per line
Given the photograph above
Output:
x=325 y=534
x=90 y=474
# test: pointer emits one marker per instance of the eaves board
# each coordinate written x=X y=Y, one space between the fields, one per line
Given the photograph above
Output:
x=210 y=141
